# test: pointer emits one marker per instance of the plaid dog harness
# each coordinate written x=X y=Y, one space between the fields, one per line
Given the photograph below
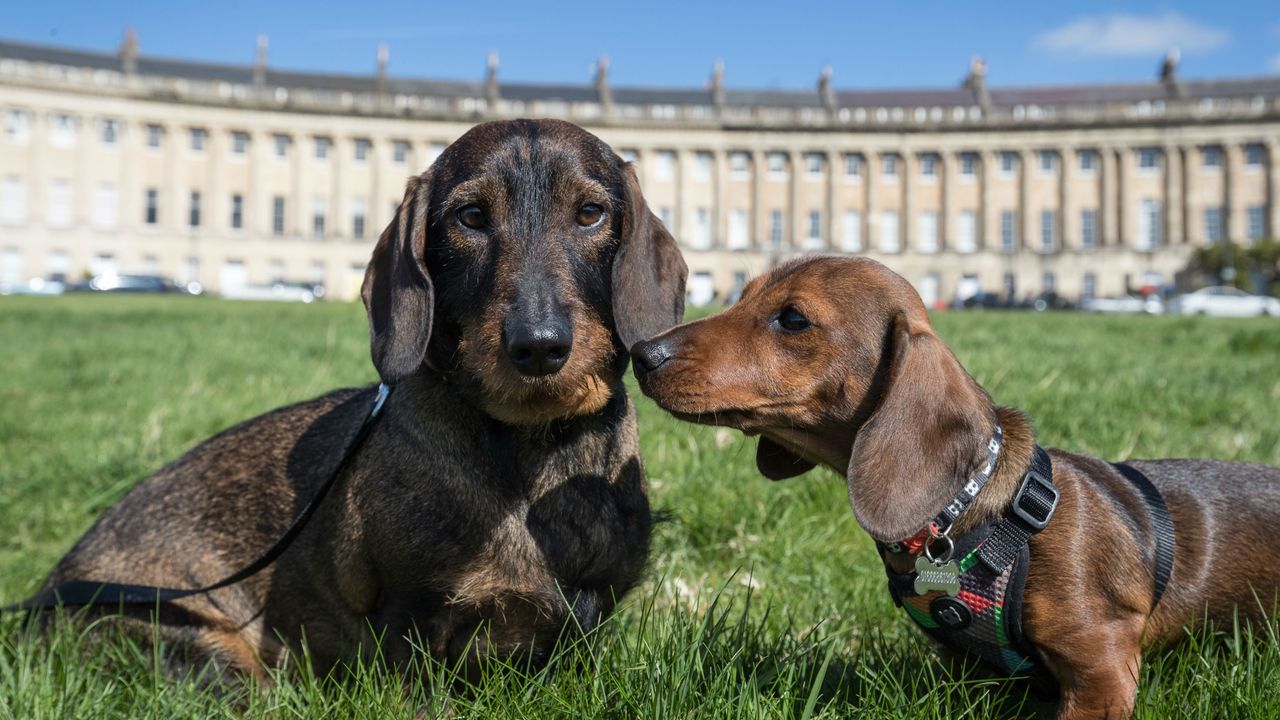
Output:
x=974 y=604
x=970 y=597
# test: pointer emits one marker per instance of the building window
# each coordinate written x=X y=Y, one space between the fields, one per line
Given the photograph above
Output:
x=198 y=138
x=1256 y=223
x=1048 y=282
x=275 y=270
x=318 y=272
x=889 y=167
x=853 y=166
x=1008 y=161
x=664 y=215
x=967 y=232
x=739 y=165
x=775 y=229
x=400 y=152
x=1010 y=284
x=62 y=133
x=1213 y=225
x=239 y=143
x=777 y=165
x=13 y=200
x=1089 y=285
x=1253 y=156
x=193 y=216
x=361 y=151
x=1088 y=161
x=17 y=126
x=106 y=206
x=738 y=230
x=60 y=199
x=813 y=164
x=1048 y=161
x=1212 y=156
x=814 y=241
x=437 y=148
x=155 y=136
x=1088 y=229
x=109 y=132
x=1149 y=225
x=968 y=165
x=701 y=239
x=929 y=165
x=927 y=242
x=151 y=211
x=322 y=148
x=359 y=209
x=1008 y=231
x=702 y=166
x=281 y=144
x=237 y=212
x=851 y=238
x=628 y=154
x=1048 y=230
x=890 y=239
x=277 y=215
x=1149 y=158
x=319 y=208
x=664 y=165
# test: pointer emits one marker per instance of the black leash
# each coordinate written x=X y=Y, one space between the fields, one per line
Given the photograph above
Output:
x=1161 y=524
x=88 y=592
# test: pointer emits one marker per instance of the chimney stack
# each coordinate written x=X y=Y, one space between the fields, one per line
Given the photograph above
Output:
x=825 y=92
x=976 y=82
x=1169 y=73
x=491 y=90
x=260 y=63
x=717 y=84
x=602 y=83
x=129 y=52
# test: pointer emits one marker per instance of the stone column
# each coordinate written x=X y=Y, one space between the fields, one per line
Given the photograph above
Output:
x=1192 y=229
x=989 y=229
x=1234 y=224
x=1125 y=227
x=341 y=155
x=173 y=192
x=719 y=191
x=871 y=223
x=795 y=217
x=1273 y=189
x=215 y=203
x=948 y=232
x=1108 y=223
x=257 y=221
x=380 y=154
x=833 y=201
x=1068 y=215
x=1025 y=163
x=682 y=206
x=906 y=176
x=303 y=147
x=1173 y=233
x=759 y=223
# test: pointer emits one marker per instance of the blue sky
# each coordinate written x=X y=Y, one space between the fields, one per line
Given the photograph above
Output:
x=661 y=42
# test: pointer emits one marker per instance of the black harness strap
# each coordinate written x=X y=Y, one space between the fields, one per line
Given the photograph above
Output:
x=88 y=592
x=1161 y=525
x=1029 y=513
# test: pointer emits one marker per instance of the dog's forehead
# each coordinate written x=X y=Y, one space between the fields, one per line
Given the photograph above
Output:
x=524 y=146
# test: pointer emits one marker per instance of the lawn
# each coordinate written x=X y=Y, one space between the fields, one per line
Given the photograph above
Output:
x=762 y=600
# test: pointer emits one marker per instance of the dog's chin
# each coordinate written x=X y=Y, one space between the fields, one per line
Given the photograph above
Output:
x=542 y=401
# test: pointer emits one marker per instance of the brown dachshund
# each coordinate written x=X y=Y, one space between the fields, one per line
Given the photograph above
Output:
x=832 y=362
x=499 y=500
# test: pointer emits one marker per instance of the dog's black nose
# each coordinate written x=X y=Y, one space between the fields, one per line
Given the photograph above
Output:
x=542 y=348
x=648 y=355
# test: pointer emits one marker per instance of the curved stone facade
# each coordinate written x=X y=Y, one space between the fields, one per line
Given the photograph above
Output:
x=242 y=174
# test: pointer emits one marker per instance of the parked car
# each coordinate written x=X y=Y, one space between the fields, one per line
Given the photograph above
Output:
x=1226 y=301
x=279 y=292
x=1126 y=304
x=986 y=301
x=36 y=286
x=116 y=283
x=1049 y=300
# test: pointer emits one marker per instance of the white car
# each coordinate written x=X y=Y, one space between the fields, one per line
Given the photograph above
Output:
x=282 y=292
x=1226 y=301
x=1127 y=304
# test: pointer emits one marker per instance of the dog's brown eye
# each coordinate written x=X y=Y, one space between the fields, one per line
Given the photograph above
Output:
x=791 y=320
x=590 y=214
x=472 y=216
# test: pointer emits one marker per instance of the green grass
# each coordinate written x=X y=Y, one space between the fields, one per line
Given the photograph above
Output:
x=763 y=599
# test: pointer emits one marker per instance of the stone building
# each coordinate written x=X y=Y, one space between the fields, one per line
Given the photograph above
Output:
x=232 y=175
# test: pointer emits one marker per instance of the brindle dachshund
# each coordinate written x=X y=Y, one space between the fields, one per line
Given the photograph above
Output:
x=832 y=361
x=499 y=500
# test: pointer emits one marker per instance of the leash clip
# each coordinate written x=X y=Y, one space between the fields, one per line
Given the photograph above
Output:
x=384 y=391
x=936 y=535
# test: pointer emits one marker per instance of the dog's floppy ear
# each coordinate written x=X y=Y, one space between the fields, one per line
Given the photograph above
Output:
x=778 y=463
x=926 y=436
x=397 y=291
x=648 y=271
